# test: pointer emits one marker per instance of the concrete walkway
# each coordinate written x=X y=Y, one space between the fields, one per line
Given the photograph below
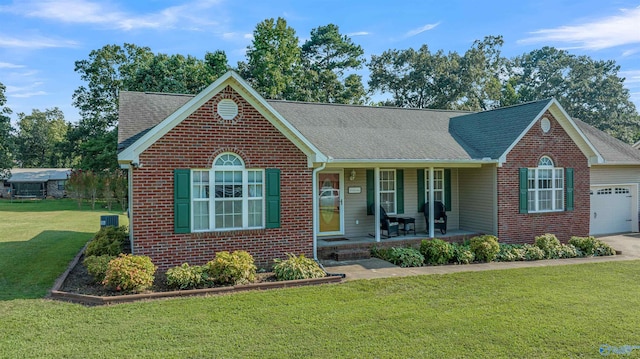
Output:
x=628 y=244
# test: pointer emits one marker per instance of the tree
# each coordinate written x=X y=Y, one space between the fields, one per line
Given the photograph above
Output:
x=273 y=59
x=40 y=139
x=481 y=71
x=589 y=90
x=417 y=78
x=6 y=138
x=326 y=57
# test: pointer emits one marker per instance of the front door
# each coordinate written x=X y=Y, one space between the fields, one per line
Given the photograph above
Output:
x=329 y=211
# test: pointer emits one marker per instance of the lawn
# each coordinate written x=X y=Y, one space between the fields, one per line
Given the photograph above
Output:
x=560 y=311
x=38 y=239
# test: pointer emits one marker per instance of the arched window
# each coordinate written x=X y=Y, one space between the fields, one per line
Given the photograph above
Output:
x=237 y=199
x=546 y=187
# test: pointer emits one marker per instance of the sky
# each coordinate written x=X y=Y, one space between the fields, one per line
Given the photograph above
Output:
x=40 y=41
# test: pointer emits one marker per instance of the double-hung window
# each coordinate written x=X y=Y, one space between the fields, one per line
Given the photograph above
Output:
x=388 y=190
x=228 y=196
x=438 y=185
x=545 y=186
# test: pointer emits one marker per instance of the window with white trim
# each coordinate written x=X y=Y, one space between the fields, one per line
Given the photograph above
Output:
x=545 y=185
x=237 y=199
x=388 y=190
x=438 y=185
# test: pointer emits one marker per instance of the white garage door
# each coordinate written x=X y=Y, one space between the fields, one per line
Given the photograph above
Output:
x=611 y=209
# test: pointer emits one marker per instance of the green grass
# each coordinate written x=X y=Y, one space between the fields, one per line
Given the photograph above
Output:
x=546 y=312
x=38 y=239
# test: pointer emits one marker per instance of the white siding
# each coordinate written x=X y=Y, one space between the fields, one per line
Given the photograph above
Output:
x=478 y=207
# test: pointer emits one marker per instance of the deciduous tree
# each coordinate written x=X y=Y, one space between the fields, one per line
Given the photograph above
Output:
x=6 y=137
x=40 y=139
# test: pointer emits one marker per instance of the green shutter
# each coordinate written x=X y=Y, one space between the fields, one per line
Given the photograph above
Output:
x=182 y=200
x=272 y=184
x=420 y=189
x=447 y=189
x=569 y=175
x=400 y=191
x=370 y=192
x=524 y=190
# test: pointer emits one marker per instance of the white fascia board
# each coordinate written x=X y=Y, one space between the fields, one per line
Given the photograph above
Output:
x=565 y=117
x=132 y=153
x=417 y=163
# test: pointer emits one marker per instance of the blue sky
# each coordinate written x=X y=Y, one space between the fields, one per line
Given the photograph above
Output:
x=41 y=40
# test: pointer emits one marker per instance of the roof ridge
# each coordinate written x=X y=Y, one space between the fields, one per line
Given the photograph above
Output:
x=367 y=106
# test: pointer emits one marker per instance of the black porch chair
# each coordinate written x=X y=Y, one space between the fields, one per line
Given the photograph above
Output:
x=388 y=224
x=439 y=216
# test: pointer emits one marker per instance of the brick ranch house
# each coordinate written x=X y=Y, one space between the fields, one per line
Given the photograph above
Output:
x=229 y=170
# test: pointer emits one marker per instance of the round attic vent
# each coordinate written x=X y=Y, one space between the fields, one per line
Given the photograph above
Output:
x=545 y=124
x=227 y=109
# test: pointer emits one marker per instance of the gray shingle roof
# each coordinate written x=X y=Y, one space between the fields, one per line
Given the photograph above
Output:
x=25 y=175
x=612 y=149
x=138 y=112
x=349 y=132
x=490 y=133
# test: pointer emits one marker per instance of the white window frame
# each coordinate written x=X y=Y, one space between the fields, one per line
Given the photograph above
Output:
x=545 y=186
x=388 y=187
x=249 y=193
x=438 y=185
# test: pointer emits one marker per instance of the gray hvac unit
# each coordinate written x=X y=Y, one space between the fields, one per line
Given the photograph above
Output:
x=106 y=221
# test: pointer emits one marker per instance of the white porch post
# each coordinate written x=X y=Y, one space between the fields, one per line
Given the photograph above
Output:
x=431 y=205
x=376 y=201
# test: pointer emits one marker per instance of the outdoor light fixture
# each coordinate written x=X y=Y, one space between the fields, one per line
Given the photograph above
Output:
x=353 y=175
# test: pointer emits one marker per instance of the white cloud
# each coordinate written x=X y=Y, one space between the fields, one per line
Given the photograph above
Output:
x=108 y=15
x=599 y=34
x=7 y=65
x=358 y=33
x=35 y=42
x=421 y=29
x=26 y=91
x=631 y=76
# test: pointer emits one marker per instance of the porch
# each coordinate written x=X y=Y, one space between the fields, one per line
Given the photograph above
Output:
x=341 y=248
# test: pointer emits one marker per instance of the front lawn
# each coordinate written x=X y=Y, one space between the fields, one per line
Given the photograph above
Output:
x=38 y=239
x=559 y=311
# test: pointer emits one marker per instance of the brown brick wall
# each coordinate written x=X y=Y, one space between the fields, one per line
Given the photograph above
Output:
x=195 y=143
x=514 y=227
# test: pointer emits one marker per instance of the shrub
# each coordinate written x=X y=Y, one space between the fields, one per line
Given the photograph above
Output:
x=586 y=245
x=462 y=254
x=567 y=251
x=485 y=248
x=436 y=251
x=532 y=253
x=108 y=241
x=130 y=273
x=297 y=268
x=97 y=266
x=510 y=253
x=406 y=257
x=186 y=277
x=549 y=244
x=603 y=249
x=231 y=268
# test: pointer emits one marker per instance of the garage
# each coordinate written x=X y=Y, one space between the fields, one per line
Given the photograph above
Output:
x=612 y=209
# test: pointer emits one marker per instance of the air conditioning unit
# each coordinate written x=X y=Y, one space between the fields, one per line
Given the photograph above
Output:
x=106 y=221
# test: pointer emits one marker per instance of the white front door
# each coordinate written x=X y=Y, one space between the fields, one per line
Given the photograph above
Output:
x=330 y=198
x=611 y=209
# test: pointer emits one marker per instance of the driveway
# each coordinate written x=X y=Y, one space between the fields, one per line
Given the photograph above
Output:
x=627 y=244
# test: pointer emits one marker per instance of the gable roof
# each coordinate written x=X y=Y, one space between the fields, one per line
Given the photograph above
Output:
x=130 y=153
x=28 y=175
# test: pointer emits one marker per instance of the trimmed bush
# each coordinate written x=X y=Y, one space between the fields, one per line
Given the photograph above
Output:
x=549 y=244
x=108 y=241
x=485 y=248
x=590 y=246
x=603 y=249
x=129 y=273
x=297 y=268
x=97 y=266
x=510 y=253
x=567 y=251
x=462 y=254
x=186 y=277
x=436 y=251
x=532 y=253
x=406 y=257
x=231 y=268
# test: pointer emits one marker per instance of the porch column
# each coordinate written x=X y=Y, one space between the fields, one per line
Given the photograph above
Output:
x=431 y=205
x=376 y=201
